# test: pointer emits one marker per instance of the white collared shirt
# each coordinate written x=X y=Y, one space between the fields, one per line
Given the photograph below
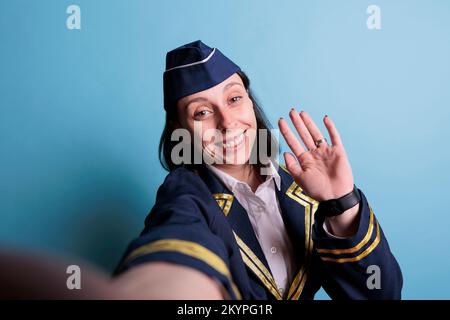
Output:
x=265 y=216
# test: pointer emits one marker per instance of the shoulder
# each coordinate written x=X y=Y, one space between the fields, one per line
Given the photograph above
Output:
x=182 y=198
x=182 y=180
x=183 y=190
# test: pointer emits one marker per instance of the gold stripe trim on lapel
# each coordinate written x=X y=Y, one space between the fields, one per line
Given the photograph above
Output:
x=295 y=192
x=258 y=268
x=224 y=201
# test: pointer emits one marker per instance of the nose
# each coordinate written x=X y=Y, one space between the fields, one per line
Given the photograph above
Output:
x=227 y=119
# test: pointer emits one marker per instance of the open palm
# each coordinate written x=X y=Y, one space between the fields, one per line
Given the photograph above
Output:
x=322 y=171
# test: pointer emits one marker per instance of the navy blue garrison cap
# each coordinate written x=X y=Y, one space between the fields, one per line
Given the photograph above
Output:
x=192 y=68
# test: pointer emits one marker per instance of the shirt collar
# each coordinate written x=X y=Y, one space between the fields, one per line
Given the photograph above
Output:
x=231 y=182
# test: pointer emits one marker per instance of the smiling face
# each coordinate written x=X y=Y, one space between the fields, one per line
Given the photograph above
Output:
x=223 y=118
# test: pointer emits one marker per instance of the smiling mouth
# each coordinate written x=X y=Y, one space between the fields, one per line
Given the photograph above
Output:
x=234 y=142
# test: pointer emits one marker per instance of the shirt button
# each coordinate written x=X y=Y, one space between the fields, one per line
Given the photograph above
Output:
x=273 y=250
x=281 y=291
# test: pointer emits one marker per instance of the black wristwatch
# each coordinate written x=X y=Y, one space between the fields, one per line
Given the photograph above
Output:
x=335 y=207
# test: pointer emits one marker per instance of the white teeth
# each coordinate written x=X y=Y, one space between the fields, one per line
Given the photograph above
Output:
x=235 y=142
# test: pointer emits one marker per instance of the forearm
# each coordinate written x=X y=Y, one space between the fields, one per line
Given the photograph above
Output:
x=31 y=275
x=359 y=266
x=344 y=225
x=166 y=281
x=36 y=275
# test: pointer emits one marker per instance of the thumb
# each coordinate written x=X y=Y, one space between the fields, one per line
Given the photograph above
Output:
x=292 y=165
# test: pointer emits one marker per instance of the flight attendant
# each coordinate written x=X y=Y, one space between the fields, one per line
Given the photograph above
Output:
x=241 y=224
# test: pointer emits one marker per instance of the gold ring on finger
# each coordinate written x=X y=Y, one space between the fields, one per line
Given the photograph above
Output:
x=320 y=141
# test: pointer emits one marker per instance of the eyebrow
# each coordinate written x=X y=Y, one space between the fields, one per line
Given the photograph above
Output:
x=201 y=99
x=232 y=84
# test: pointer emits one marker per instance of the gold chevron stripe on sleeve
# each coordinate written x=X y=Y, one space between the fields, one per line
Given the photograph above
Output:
x=362 y=255
x=189 y=248
x=186 y=247
x=359 y=245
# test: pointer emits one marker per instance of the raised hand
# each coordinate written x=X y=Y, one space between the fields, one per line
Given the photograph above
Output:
x=321 y=170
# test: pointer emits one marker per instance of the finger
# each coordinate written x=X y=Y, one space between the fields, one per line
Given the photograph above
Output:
x=302 y=129
x=332 y=131
x=292 y=165
x=312 y=128
x=290 y=138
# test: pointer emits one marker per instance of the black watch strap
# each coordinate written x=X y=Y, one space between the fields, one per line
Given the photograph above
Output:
x=334 y=207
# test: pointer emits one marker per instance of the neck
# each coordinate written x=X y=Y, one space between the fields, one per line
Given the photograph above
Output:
x=246 y=173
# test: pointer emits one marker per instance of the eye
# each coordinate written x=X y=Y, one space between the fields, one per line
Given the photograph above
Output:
x=201 y=113
x=235 y=99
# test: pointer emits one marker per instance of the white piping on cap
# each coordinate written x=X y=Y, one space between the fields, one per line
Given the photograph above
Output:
x=194 y=63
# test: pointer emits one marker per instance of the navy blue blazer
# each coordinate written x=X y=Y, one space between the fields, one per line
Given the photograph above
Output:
x=197 y=222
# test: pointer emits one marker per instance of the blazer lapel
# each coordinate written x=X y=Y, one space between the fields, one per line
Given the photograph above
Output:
x=237 y=217
x=298 y=215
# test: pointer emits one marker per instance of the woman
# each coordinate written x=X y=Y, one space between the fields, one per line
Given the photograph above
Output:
x=245 y=227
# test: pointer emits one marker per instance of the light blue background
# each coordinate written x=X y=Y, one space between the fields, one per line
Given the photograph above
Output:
x=81 y=112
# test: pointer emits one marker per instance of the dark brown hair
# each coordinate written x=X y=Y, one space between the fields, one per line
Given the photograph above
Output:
x=166 y=144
